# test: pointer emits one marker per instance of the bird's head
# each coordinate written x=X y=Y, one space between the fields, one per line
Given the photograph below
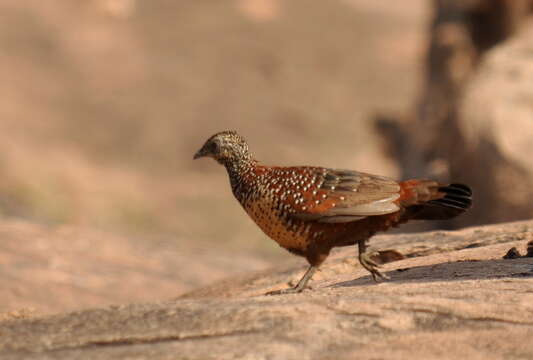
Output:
x=226 y=147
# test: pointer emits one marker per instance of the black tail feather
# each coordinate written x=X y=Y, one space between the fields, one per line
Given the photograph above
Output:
x=457 y=189
x=457 y=196
x=456 y=200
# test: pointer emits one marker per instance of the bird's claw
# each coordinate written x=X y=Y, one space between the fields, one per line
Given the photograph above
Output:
x=366 y=261
x=293 y=290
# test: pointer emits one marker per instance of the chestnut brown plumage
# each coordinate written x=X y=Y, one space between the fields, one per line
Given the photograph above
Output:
x=309 y=210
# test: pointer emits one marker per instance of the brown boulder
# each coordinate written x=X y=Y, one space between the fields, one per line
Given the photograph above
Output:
x=496 y=118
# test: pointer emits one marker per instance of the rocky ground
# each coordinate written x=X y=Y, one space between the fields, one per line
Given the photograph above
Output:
x=50 y=269
x=453 y=296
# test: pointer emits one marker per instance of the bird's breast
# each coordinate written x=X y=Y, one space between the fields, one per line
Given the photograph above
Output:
x=275 y=221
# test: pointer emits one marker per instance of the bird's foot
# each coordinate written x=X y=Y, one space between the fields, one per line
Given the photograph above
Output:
x=302 y=284
x=293 y=290
x=366 y=261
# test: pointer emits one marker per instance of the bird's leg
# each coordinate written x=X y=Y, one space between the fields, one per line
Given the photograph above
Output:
x=369 y=264
x=300 y=286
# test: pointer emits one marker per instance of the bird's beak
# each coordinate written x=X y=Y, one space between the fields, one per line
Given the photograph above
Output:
x=200 y=153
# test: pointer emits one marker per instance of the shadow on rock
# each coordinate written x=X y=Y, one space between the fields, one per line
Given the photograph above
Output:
x=453 y=271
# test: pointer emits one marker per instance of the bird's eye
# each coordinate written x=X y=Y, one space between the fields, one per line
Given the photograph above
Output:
x=214 y=147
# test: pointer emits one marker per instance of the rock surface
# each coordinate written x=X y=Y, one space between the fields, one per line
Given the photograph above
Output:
x=505 y=74
x=496 y=121
x=452 y=297
x=50 y=269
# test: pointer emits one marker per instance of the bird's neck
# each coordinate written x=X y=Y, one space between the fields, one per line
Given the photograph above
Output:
x=240 y=172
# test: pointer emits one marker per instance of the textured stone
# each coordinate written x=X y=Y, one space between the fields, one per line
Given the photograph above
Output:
x=453 y=298
x=50 y=269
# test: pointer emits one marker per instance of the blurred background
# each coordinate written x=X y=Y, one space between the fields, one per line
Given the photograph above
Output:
x=104 y=102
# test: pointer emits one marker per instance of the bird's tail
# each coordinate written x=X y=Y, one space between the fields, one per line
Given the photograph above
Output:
x=429 y=200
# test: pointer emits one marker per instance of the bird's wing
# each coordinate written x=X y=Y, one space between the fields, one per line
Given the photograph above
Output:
x=332 y=195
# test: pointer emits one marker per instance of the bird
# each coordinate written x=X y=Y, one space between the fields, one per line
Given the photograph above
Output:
x=309 y=210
